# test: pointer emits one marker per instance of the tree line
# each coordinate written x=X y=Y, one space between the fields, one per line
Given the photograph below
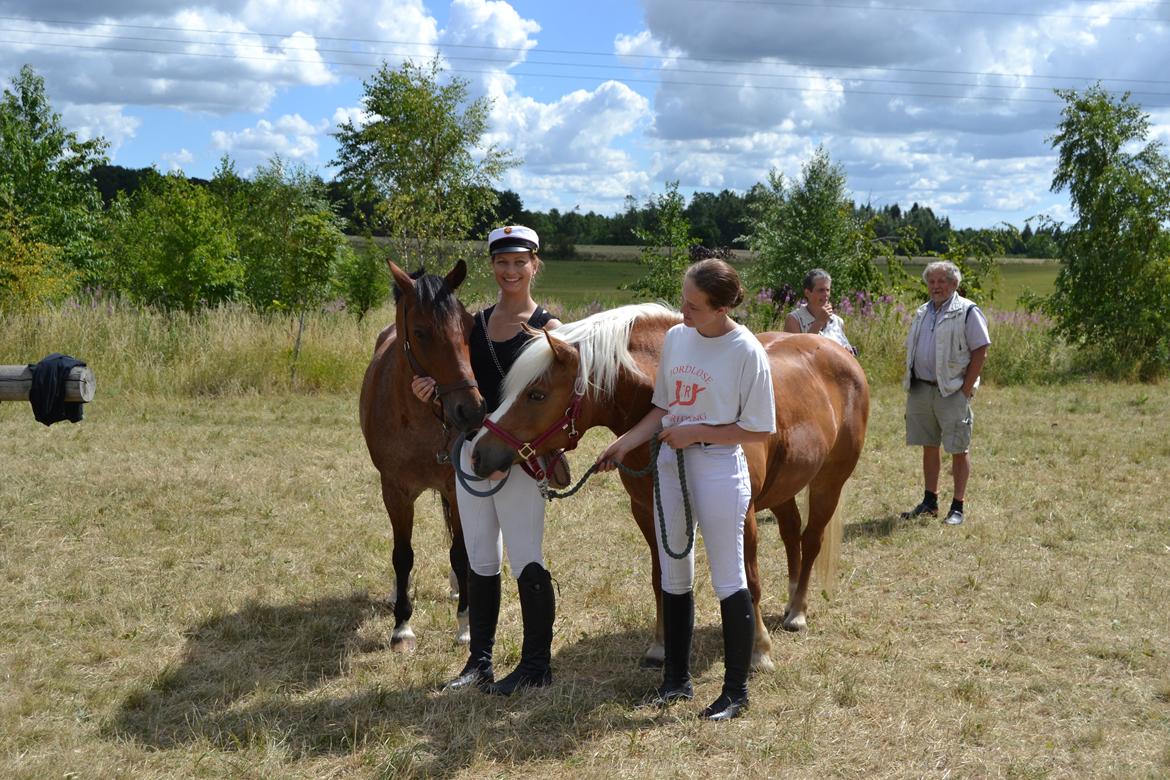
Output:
x=418 y=173
x=717 y=219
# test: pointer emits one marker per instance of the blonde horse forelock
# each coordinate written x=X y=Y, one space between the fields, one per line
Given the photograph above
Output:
x=603 y=343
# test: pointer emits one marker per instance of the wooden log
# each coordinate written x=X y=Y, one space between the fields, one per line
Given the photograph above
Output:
x=16 y=381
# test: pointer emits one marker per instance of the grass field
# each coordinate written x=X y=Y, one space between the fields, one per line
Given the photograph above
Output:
x=192 y=588
x=580 y=282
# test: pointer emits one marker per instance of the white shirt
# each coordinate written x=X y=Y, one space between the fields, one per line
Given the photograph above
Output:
x=834 y=329
x=715 y=381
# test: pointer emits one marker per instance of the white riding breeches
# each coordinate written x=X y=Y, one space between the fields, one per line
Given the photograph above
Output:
x=720 y=491
x=513 y=516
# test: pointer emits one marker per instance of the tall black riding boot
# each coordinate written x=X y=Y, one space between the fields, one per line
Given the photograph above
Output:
x=483 y=610
x=739 y=635
x=678 y=626
x=537 y=606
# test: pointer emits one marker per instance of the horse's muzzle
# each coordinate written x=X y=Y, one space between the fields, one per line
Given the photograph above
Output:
x=490 y=456
x=464 y=410
x=467 y=415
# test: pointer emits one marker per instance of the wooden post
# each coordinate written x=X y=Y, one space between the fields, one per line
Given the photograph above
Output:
x=16 y=382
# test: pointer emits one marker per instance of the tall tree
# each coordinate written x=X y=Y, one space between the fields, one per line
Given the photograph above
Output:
x=1113 y=289
x=810 y=225
x=30 y=272
x=44 y=172
x=172 y=245
x=287 y=236
x=419 y=156
x=666 y=247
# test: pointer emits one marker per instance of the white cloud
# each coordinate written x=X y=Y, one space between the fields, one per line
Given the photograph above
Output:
x=356 y=116
x=217 y=57
x=106 y=121
x=571 y=147
x=575 y=131
x=176 y=161
x=643 y=48
x=290 y=136
x=484 y=38
x=1160 y=125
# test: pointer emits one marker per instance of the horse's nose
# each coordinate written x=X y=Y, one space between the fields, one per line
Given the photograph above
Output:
x=468 y=416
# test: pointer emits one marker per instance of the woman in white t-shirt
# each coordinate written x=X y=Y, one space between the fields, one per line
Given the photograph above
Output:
x=713 y=393
x=817 y=316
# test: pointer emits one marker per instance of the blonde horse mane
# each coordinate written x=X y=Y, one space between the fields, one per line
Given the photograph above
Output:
x=603 y=342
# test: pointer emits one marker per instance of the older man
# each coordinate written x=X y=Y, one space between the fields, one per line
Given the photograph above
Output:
x=945 y=353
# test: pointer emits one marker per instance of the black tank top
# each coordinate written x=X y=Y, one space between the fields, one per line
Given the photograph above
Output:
x=487 y=374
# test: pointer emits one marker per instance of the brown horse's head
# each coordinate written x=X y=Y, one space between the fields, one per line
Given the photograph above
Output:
x=539 y=388
x=433 y=330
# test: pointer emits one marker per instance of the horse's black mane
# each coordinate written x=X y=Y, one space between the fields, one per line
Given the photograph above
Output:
x=432 y=292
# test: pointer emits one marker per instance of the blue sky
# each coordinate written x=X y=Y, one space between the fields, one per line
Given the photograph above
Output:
x=944 y=103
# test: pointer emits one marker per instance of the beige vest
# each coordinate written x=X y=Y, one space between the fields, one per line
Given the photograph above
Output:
x=951 y=353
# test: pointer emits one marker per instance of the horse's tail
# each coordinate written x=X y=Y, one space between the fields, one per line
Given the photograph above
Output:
x=829 y=557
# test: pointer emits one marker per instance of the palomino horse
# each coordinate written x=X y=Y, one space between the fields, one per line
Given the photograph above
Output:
x=600 y=371
x=429 y=337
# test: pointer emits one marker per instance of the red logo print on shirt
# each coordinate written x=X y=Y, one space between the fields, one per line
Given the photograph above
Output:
x=686 y=394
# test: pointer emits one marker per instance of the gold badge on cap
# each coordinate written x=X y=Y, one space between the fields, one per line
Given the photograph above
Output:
x=507 y=230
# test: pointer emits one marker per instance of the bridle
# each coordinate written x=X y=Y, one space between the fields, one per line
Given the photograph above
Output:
x=440 y=390
x=566 y=422
x=436 y=405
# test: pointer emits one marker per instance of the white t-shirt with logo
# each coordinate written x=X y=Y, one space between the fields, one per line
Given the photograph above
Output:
x=715 y=381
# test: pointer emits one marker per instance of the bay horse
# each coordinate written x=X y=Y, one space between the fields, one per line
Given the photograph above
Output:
x=600 y=371
x=429 y=336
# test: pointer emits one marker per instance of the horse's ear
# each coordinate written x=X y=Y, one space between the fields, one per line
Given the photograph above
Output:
x=559 y=349
x=456 y=276
x=402 y=281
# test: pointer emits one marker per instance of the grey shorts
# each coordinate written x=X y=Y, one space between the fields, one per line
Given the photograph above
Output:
x=932 y=420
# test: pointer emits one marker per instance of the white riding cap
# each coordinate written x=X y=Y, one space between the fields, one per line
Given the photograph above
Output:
x=513 y=238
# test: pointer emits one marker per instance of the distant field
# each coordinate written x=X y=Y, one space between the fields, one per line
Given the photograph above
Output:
x=602 y=271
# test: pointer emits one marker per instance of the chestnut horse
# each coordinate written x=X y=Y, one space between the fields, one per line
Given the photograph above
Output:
x=429 y=337
x=822 y=408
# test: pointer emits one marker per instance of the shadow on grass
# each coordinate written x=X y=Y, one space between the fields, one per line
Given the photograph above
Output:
x=879 y=527
x=263 y=678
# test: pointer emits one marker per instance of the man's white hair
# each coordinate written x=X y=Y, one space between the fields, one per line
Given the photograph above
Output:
x=947 y=267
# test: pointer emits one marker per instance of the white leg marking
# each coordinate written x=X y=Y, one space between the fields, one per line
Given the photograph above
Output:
x=463 y=630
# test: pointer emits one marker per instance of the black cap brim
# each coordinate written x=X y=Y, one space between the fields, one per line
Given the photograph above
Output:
x=510 y=244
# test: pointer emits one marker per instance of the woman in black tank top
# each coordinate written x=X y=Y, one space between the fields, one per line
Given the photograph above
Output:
x=514 y=516
x=491 y=360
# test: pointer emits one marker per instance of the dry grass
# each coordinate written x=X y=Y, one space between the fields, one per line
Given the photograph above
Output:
x=192 y=588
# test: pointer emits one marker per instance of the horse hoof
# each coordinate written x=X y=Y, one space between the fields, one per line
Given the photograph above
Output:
x=654 y=657
x=463 y=633
x=403 y=641
x=794 y=623
x=762 y=662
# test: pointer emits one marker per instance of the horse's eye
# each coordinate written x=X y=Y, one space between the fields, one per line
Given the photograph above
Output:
x=536 y=395
x=421 y=334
